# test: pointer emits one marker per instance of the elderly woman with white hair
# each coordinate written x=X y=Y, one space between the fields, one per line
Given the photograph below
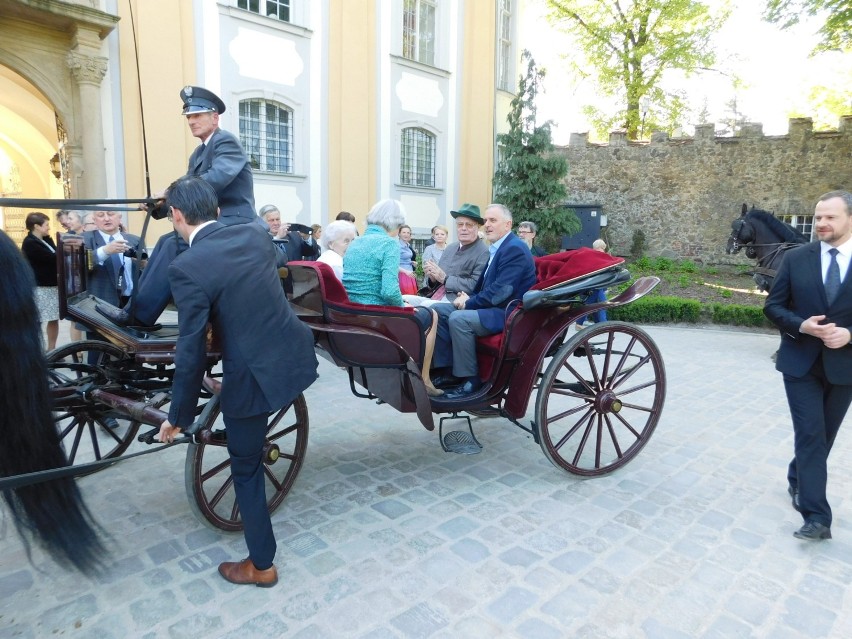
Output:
x=371 y=272
x=335 y=240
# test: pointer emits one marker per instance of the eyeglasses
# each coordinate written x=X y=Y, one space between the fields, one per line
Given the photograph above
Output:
x=466 y=225
x=524 y=231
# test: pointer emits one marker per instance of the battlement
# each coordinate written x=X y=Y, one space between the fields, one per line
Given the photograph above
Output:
x=798 y=129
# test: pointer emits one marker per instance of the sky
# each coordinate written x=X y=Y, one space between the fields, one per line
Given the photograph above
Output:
x=774 y=66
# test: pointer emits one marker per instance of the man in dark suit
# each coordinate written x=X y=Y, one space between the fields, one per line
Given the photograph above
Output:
x=228 y=278
x=509 y=274
x=221 y=162
x=115 y=273
x=811 y=302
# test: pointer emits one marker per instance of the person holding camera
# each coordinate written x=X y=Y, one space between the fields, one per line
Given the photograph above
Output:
x=115 y=253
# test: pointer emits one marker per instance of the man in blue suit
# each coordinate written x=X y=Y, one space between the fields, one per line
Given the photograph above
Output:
x=509 y=274
x=227 y=277
x=811 y=302
x=221 y=162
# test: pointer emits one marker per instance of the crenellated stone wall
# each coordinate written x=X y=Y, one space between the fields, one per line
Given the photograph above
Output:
x=684 y=192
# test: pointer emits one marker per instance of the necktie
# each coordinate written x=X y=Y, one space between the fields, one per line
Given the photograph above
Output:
x=117 y=265
x=832 y=278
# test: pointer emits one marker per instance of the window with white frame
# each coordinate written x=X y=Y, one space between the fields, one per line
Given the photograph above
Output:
x=418 y=30
x=504 y=47
x=266 y=133
x=802 y=223
x=278 y=9
x=417 y=158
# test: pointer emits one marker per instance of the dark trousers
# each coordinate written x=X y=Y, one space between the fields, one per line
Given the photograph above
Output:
x=455 y=344
x=246 y=436
x=817 y=408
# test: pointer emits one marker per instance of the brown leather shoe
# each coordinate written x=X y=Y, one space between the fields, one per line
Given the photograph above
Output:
x=244 y=572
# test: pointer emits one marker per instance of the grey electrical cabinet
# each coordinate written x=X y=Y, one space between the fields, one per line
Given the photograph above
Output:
x=592 y=218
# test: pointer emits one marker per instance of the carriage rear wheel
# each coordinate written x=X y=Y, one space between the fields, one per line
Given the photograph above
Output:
x=600 y=398
x=88 y=431
x=209 y=485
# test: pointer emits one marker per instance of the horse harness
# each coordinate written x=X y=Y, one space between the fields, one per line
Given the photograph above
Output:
x=751 y=251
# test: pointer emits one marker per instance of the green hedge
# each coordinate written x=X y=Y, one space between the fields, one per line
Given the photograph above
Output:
x=659 y=309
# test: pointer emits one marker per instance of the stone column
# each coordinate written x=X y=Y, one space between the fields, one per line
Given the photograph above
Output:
x=88 y=71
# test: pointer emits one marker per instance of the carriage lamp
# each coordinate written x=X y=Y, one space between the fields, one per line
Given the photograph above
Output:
x=56 y=166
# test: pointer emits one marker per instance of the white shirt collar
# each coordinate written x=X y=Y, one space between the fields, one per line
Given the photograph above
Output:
x=198 y=228
x=844 y=249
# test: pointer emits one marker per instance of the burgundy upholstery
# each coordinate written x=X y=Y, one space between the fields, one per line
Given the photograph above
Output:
x=333 y=291
x=561 y=268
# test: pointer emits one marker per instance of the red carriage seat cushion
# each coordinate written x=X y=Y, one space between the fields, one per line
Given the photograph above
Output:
x=566 y=266
x=333 y=291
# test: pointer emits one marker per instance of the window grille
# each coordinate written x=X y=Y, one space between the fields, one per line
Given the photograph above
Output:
x=417 y=160
x=266 y=133
x=278 y=9
x=802 y=223
x=418 y=30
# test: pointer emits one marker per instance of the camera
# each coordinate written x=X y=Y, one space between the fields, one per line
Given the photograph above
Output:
x=132 y=253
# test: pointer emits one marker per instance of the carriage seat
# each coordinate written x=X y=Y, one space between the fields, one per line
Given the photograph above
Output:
x=327 y=299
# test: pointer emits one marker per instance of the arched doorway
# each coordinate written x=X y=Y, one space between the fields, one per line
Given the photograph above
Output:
x=28 y=142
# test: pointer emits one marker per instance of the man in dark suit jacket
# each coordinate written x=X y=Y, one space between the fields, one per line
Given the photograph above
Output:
x=228 y=278
x=221 y=162
x=509 y=274
x=114 y=274
x=811 y=302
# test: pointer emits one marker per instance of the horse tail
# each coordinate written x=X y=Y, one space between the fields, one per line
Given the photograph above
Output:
x=51 y=513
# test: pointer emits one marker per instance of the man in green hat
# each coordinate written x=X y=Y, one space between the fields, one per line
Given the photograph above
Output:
x=462 y=262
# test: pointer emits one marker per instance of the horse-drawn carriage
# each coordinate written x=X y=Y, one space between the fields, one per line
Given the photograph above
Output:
x=599 y=392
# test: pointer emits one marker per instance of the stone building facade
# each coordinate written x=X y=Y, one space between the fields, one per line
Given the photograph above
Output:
x=683 y=193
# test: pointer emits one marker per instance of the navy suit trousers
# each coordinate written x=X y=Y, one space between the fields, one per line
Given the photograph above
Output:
x=817 y=408
x=246 y=437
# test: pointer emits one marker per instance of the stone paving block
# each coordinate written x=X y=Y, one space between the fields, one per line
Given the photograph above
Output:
x=518 y=556
x=513 y=602
x=470 y=550
x=418 y=621
x=14 y=582
x=538 y=629
x=808 y=617
x=572 y=562
x=457 y=527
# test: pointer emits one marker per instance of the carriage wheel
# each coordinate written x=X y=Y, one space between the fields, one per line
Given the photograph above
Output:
x=600 y=398
x=88 y=431
x=209 y=485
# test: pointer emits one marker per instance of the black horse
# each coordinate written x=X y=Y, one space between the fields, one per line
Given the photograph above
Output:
x=766 y=239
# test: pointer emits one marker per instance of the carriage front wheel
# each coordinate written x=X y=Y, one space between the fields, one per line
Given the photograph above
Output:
x=209 y=485
x=600 y=398
x=88 y=431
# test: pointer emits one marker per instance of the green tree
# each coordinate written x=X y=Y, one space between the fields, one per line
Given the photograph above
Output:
x=836 y=31
x=627 y=46
x=529 y=175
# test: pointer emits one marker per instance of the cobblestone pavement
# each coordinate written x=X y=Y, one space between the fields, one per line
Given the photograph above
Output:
x=386 y=535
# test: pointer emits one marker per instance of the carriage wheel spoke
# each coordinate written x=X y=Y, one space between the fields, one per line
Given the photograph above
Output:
x=272 y=478
x=223 y=490
x=613 y=437
x=581 y=447
x=90 y=423
x=218 y=468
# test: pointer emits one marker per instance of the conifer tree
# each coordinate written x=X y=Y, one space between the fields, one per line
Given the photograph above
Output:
x=530 y=173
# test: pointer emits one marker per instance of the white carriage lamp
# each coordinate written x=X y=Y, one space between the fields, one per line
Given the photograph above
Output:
x=56 y=166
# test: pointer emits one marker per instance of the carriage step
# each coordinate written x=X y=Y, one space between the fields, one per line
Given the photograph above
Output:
x=458 y=441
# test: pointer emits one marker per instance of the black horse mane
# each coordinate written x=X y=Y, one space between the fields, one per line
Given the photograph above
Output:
x=52 y=513
x=783 y=230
